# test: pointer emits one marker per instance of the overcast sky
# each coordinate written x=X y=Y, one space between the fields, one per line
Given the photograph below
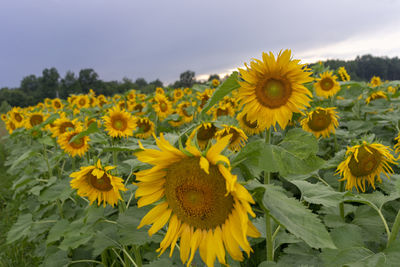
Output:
x=161 y=39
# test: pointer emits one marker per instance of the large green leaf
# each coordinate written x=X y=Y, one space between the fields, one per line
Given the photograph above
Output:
x=21 y=228
x=340 y=257
x=225 y=88
x=296 y=218
x=300 y=143
x=319 y=193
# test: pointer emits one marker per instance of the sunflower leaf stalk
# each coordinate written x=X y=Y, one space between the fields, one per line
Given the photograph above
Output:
x=395 y=230
x=268 y=226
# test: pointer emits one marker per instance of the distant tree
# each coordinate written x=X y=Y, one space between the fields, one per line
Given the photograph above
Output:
x=88 y=79
x=140 y=83
x=49 y=83
x=213 y=76
x=186 y=79
x=69 y=85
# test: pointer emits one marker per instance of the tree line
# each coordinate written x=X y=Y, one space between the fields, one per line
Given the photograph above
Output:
x=50 y=84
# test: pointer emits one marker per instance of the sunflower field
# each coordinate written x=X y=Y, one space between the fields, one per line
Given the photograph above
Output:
x=280 y=164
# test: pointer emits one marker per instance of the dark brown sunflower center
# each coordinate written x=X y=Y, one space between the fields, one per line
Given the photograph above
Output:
x=18 y=117
x=78 y=143
x=12 y=125
x=205 y=134
x=273 y=93
x=234 y=133
x=320 y=120
x=184 y=111
x=102 y=184
x=65 y=125
x=82 y=102
x=36 y=119
x=204 y=100
x=144 y=126
x=222 y=111
x=138 y=107
x=367 y=162
x=57 y=104
x=197 y=198
x=119 y=123
x=163 y=106
x=326 y=84
x=122 y=105
x=248 y=123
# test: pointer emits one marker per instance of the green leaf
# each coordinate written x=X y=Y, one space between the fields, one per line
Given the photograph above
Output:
x=47 y=140
x=225 y=88
x=376 y=200
x=73 y=240
x=27 y=154
x=296 y=218
x=300 y=143
x=340 y=257
x=319 y=193
x=21 y=228
x=127 y=228
x=105 y=238
x=347 y=236
x=57 y=231
x=60 y=190
x=56 y=258
x=299 y=254
x=91 y=129
x=133 y=149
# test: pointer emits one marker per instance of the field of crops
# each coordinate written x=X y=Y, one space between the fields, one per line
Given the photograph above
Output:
x=278 y=165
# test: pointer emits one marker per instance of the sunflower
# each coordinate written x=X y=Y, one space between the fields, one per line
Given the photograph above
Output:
x=375 y=95
x=199 y=198
x=138 y=108
x=82 y=101
x=326 y=86
x=62 y=125
x=163 y=107
x=365 y=163
x=182 y=111
x=344 y=76
x=101 y=100
x=204 y=133
x=321 y=121
x=215 y=82
x=160 y=91
x=223 y=110
x=178 y=122
x=145 y=128
x=57 y=104
x=238 y=139
x=203 y=97
x=178 y=94
x=131 y=95
x=34 y=118
x=375 y=81
x=48 y=102
x=10 y=126
x=250 y=128
x=77 y=147
x=3 y=117
x=273 y=89
x=119 y=123
x=17 y=116
x=96 y=182
x=391 y=89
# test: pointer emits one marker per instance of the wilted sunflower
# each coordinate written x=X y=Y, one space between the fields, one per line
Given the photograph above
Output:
x=375 y=95
x=145 y=128
x=204 y=133
x=163 y=107
x=273 y=89
x=365 y=163
x=238 y=139
x=57 y=104
x=321 y=121
x=200 y=200
x=250 y=128
x=344 y=76
x=77 y=147
x=326 y=85
x=119 y=123
x=96 y=182
x=375 y=81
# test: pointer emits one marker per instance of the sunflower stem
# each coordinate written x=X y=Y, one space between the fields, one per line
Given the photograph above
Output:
x=395 y=230
x=268 y=226
x=336 y=144
x=341 y=204
x=47 y=159
x=384 y=223
x=138 y=257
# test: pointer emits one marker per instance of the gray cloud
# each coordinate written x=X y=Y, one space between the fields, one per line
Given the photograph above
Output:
x=161 y=39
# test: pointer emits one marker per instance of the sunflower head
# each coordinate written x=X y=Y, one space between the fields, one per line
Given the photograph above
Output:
x=238 y=137
x=375 y=81
x=178 y=94
x=97 y=183
x=391 y=89
x=3 y=117
x=163 y=107
x=63 y=125
x=145 y=128
x=200 y=200
x=203 y=97
x=119 y=123
x=321 y=121
x=376 y=95
x=34 y=118
x=223 y=109
x=215 y=82
x=344 y=76
x=17 y=116
x=204 y=133
x=272 y=89
x=82 y=101
x=160 y=91
x=183 y=111
x=57 y=104
x=327 y=86
x=74 y=148
x=250 y=128
x=365 y=163
x=10 y=126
